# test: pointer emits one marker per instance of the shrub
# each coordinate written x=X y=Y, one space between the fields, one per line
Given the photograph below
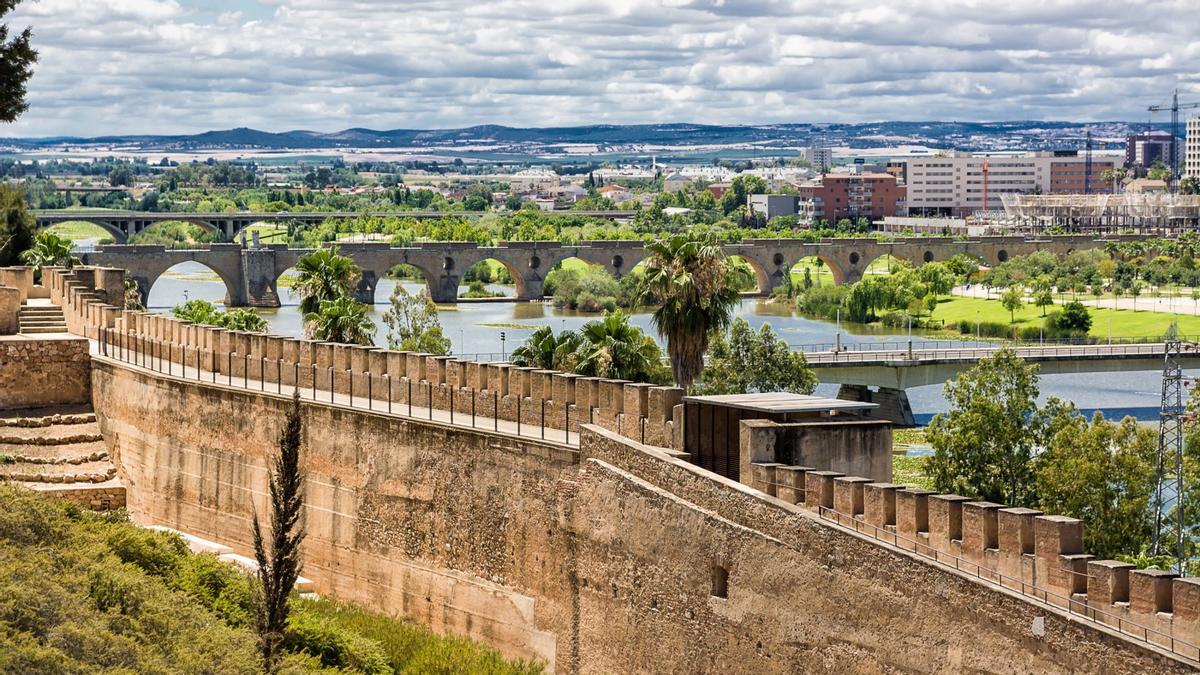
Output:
x=988 y=329
x=822 y=301
x=335 y=645
x=156 y=553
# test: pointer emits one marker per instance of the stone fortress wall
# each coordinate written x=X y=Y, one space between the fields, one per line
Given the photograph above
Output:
x=620 y=556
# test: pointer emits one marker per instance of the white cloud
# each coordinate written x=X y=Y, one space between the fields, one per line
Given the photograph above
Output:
x=181 y=66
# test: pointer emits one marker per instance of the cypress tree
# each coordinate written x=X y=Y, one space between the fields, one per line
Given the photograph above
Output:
x=279 y=559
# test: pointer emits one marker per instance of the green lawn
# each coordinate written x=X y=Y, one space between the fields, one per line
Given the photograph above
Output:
x=77 y=230
x=267 y=232
x=1124 y=322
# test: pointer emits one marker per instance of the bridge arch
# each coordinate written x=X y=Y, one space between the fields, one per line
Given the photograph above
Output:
x=196 y=284
x=484 y=273
x=762 y=283
x=118 y=235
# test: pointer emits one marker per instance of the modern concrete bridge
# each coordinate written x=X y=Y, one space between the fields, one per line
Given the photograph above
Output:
x=895 y=370
x=123 y=224
x=251 y=274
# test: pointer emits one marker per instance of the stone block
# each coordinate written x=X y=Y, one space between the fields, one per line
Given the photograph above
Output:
x=1150 y=591
x=498 y=378
x=636 y=402
x=848 y=495
x=980 y=533
x=879 y=504
x=1108 y=583
x=564 y=388
x=1185 y=604
x=945 y=522
x=764 y=477
x=818 y=489
x=612 y=396
x=789 y=483
x=415 y=370
x=912 y=518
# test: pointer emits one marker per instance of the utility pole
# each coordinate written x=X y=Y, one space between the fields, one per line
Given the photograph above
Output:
x=1170 y=530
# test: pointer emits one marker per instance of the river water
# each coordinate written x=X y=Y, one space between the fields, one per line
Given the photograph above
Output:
x=476 y=328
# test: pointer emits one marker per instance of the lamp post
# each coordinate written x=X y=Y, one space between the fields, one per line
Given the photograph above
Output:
x=838 y=335
x=503 y=351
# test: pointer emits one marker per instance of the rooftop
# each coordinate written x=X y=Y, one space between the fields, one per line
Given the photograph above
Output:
x=782 y=402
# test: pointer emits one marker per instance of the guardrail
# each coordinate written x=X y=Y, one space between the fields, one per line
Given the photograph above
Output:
x=968 y=342
x=973 y=354
x=1074 y=607
x=467 y=407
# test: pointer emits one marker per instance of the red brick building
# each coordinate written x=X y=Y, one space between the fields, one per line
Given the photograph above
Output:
x=848 y=195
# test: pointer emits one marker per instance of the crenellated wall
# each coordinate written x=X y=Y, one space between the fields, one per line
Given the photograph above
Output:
x=543 y=398
x=1036 y=554
x=616 y=556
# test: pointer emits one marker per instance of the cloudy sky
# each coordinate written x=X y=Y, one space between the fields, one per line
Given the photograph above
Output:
x=183 y=66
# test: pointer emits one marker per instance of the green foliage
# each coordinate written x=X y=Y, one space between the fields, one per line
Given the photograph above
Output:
x=748 y=361
x=822 y=301
x=82 y=592
x=984 y=443
x=1073 y=320
x=1104 y=474
x=322 y=276
x=413 y=324
x=17 y=57
x=548 y=351
x=48 y=250
x=343 y=320
x=16 y=226
x=690 y=280
x=610 y=347
x=205 y=313
x=174 y=234
x=589 y=290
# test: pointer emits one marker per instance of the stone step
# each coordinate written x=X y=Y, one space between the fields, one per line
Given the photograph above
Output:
x=250 y=565
x=44 y=330
x=10 y=414
x=74 y=454
x=40 y=311
x=88 y=472
x=56 y=434
x=194 y=543
x=48 y=420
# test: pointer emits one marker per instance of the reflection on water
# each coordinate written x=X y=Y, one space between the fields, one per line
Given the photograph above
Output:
x=476 y=327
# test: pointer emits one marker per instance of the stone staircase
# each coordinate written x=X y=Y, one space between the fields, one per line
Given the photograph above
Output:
x=59 y=451
x=41 y=318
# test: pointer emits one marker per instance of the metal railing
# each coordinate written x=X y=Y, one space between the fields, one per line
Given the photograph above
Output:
x=967 y=341
x=1074 y=607
x=465 y=406
x=975 y=353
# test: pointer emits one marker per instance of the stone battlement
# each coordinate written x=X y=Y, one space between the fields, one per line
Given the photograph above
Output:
x=1023 y=549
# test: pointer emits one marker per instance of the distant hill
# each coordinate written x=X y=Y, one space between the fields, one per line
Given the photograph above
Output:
x=966 y=135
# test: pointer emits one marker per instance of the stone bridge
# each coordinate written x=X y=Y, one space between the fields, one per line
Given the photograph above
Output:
x=251 y=274
x=124 y=224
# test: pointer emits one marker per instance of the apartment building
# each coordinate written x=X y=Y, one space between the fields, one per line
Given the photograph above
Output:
x=843 y=195
x=820 y=158
x=1191 y=155
x=1143 y=150
x=953 y=184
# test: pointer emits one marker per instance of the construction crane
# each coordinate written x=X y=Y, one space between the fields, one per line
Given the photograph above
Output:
x=1175 y=107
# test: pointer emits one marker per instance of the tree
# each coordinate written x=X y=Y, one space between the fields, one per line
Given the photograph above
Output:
x=1135 y=289
x=343 y=320
x=937 y=277
x=615 y=349
x=17 y=57
x=48 y=250
x=1013 y=298
x=1073 y=319
x=1043 y=297
x=413 y=324
x=324 y=275
x=689 y=277
x=279 y=559
x=543 y=349
x=206 y=313
x=1104 y=474
x=16 y=225
x=748 y=361
x=120 y=175
x=983 y=444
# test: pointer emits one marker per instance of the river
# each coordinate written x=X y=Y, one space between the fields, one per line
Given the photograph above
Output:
x=476 y=328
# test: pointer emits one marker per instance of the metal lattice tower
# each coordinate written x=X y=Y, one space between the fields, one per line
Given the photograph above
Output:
x=1169 y=529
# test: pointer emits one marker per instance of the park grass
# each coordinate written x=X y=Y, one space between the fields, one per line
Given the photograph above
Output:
x=77 y=230
x=267 y=232
x=1124 y=322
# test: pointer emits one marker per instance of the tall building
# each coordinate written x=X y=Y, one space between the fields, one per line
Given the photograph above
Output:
x=820 y=158
x=843 y=195
x=1143 y=150
x=953 y=184
x=1191 y=157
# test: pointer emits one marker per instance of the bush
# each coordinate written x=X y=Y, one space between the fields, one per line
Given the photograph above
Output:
x=156 y=553
x=335 y=645
x=822 y=301
x=988 y=329
x=1072 y=321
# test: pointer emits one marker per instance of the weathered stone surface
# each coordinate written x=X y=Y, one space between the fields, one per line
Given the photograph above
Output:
x=43 y=372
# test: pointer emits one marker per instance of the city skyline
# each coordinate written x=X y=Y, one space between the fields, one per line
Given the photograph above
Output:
x=184 y=66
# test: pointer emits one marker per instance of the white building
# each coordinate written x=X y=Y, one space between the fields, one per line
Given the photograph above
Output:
x=533 y=180
x=953 y=184
x=676 y=182
x=820 y=158
x=1191 y=155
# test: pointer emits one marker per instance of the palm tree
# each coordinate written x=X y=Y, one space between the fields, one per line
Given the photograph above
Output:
x=615 y=349
x=689 y=277
x=548 y=351
x=343 y=320
x=324 y=275
x=48 y=250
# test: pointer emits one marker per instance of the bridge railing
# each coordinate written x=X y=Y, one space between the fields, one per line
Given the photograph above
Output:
x=974 y=354
x=901 y=344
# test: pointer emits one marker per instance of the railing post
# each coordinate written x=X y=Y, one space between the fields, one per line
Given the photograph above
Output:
x=262 y=374
x=314 y=381
x=496 y=411
x=543 y=419
x=331 y=384
x=350 y=386
x=409 y=396
x=387 y=382
x=518 y=413
x=452 y=387
x=472 y=408
x=279 y=376
x=229 y=370
x=370 y=391
x=429 y=398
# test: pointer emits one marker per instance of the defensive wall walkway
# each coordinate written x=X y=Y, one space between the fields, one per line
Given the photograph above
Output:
x=605 y=553
x=251 y=274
